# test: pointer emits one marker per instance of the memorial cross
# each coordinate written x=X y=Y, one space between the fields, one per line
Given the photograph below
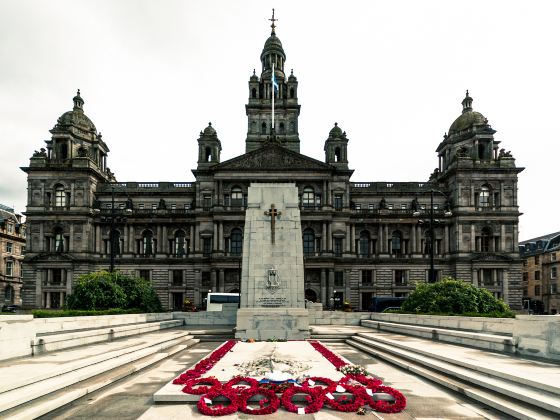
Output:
x=272 y=212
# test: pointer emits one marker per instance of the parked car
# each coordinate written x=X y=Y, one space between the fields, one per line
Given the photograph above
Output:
x=11 y=308
x=391 y=309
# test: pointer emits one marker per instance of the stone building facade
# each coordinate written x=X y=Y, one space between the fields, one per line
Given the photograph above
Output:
x=12 y=248
x=541 y=264
x=360 y=239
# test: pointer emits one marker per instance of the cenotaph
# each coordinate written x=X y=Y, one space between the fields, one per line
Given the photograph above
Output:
x=272 y=280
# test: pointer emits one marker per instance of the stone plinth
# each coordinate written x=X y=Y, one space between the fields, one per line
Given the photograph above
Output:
x=269 y=323
x=272 y=280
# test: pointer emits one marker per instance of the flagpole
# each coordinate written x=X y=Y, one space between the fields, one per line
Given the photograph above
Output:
x=272 y=85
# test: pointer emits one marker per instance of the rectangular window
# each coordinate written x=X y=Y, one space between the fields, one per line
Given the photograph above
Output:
x=358 y=206
x=337 y=247
x=154 y=206
x=207 y=246
x=56 y=276
x=205 y=280
x=367 y=277
x=553 y=273
x=403 y=206
x=144 y=274
x=554 y=288
x=390 y=206
x=400 y=277
x=371 y=207
x=487 y=279
x=339 y=279
x=10 y=228
x=9 y=268
x=9 y=247
x=338 y=201
x=121 y=206
x=173 y=206
x=177 y=277
x=537 y=290
x=537 y=275
x=401 y=294
x=525 y=276
x=537 y=259
x=553 y=256
x=188 y=206
x=226 y=200
x=206 y=201
x=141 y=206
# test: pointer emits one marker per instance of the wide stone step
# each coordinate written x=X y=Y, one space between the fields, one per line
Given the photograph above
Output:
x=480 y=385
x=29 y=371
x=543 y=375
x=60 y=341
x=62 y=396
x=485 y=341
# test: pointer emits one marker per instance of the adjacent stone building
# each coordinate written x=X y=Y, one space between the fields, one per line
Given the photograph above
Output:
x=12 y=248
x=541 y=264
x=360 y=239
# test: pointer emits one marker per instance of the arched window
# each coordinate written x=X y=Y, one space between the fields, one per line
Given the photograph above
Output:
x=64 y=151
x=364 y=244
x=59 y=196
x=180 y=250
x=484 y=197
x=236 y=197
x=337 y=155
x=147 y=242
x=282 y=128
x=427 y=243
x=263 y=128
x=308 y=242
x=486 y=239
x=208 y=154
x=59 y=240
x=292 y=93
x=236 y=242
x=308 y=197
x=396 y=243
x=254 y=93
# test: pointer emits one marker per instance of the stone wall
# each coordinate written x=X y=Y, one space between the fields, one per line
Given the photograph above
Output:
x=319 y=317
x=538 y=336
x=228 y=316
x=16 y=333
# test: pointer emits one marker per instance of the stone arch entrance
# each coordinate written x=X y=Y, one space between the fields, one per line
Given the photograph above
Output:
x=311 y=295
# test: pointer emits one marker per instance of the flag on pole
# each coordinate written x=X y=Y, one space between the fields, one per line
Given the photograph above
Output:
x=274 y=83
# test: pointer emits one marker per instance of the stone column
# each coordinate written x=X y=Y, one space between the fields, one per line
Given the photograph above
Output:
x=473 y=238
x=71 y=240
x=352 y=239
x=347 y=244
x=97 y=239
x=221 y=236
x=502 y=238
x=197 y=287
x=445 y=240
x=191 y=239
x=158 y=248
x=330 y=284
x=324 y=288
x=214 y=280
x=324 y=238
x=215 y=238
x=165 y=243
x=475 y=277
x=329 y=237
x=385 y=238
x=222 y=286
x=196 y=239
x=48 y=302
x=413 y=248
x=505 y=285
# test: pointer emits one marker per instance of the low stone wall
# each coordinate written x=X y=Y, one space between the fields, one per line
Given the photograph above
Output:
x=317 y=316
x=538 y=336
x=72 y=323
x=228 y=316
x=16 y=334
x=502 y=326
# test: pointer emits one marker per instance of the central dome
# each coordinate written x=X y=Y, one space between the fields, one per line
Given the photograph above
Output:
x=466 y=120
x=76 y=117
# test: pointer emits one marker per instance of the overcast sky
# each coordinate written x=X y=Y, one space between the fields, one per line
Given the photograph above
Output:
x=391 y=73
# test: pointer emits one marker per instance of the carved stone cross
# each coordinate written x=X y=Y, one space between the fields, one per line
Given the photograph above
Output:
x=272 y=212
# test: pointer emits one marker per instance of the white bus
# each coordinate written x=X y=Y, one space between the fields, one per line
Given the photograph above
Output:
x=215 y=300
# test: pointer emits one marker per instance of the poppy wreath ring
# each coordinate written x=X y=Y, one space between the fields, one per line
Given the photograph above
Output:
x=385 y=406
x=322 y=384
x=339 y=403
x=315 y=399
x=270 y=397
x=218 y=409
x=213 y=383
x=250 y=384
x=368 y=382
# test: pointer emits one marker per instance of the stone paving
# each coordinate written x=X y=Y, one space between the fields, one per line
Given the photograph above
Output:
x=131 y=398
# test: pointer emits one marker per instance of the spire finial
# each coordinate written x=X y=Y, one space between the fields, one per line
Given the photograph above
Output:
x=78 y=101
x=467 y=102
x=273 y=26
x=254 y=73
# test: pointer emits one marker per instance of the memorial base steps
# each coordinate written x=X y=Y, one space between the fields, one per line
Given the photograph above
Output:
x=515 y=396
x=45 y=383
x=211 y=334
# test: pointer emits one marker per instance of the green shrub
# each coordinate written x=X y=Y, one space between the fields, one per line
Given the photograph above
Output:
x=103 y=290
x=452 y=296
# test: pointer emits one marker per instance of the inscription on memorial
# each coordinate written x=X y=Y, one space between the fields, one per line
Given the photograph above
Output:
x=272 y=302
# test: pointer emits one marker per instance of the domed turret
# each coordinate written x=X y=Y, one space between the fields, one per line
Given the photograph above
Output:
x=336 y=148
x=209 y=147
x=468 y=118
x=76 y=118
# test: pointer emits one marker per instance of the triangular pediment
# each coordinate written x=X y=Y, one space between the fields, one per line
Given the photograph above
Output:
x=273 y=157
x=61 y=257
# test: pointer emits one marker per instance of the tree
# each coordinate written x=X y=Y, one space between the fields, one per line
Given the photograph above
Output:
x=104 y=290
x=453 y=296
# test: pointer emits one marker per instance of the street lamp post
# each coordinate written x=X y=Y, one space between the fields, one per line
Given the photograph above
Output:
x=112 y=219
